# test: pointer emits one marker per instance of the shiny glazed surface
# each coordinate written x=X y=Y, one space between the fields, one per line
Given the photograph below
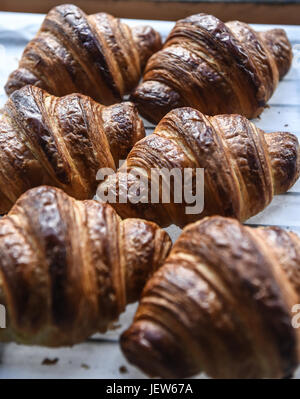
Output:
x=68 y=268
x=61 y=142
x=96 y=55
x=222 y=304
x=215 y=67
x=243 y=166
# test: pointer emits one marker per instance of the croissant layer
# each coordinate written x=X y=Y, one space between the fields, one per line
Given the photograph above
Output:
x=61 y=142
x=96 y=55
x=68 y=268
x=221 y=304
x=215 y=67
x=243 y=167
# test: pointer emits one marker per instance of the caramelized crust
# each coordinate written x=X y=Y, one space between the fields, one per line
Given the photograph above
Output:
x=243 y=166
x=96 y=55
x=221 y=304
x=61 y=142
x=215 y=67
x=68 y=268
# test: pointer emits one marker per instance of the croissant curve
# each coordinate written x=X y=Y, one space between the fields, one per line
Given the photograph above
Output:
x=68 y=268
x=215 y=67
x=222 y=304
x=61 y=142
x=243 y=166
x=96 y=55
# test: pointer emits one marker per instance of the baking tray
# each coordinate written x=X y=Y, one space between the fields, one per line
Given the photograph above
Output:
x=100 y=356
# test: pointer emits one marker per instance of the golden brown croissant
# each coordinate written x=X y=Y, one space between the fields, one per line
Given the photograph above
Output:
x=243 y=166
x=96 y=55
x=222 y=304
x=68 y=268
x=61 y=142
x=214 y=67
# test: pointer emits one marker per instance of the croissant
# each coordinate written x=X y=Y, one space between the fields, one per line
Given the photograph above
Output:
x=61 y=142
x=96 y=55
x=243 y=166
x=68 y=268
x=214 y=67
x=221 y=304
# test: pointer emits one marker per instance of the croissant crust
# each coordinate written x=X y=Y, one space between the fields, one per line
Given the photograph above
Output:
x=215 y=67
x=68 y=268
x=222 y=304
x=96 y=55
x=243 y=167
x=61 y=142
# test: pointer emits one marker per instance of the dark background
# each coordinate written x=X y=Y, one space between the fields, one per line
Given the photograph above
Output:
x=255 y=11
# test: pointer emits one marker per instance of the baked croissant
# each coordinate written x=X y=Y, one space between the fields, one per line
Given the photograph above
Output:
x=61 y=142
x=243 y=166
x=96 y=55
x=221 y=304
x=68 y=268
x=214 y=67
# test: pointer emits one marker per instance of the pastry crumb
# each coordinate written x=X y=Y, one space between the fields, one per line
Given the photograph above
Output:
x=114 y=326
x=123 y=369
x=49 y=362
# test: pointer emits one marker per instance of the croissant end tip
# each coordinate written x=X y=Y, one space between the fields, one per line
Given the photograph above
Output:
x=155 y=99
x=279 y=46
x=284 y=152
x=144 y=345
x=147 y=248
x=148 y=41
